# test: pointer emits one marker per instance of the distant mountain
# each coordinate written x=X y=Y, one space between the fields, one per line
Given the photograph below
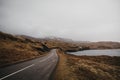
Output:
x=65 y=44
x=102 y=45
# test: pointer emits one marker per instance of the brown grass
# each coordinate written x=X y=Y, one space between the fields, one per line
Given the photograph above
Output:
x=63 y=71
x=13 y=49
x=88 y=68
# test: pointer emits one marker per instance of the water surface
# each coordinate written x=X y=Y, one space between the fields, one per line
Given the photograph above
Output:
x=109 y=52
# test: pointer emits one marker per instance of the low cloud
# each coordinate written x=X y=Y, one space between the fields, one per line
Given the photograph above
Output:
x=87 y=20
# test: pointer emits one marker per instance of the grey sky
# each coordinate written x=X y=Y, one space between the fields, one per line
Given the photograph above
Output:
x=86 y=20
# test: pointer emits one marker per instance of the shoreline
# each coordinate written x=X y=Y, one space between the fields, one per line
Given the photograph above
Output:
x=87 y=67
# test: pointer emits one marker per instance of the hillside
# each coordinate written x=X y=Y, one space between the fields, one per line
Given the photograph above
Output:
x=102 y=45
x=69 y=45
x=71 y=67
x=16 y=48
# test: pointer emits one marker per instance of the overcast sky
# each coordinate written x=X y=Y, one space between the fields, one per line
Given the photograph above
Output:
x=84 y=20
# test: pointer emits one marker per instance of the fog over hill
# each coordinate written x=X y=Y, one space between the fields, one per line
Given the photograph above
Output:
x=81 y=20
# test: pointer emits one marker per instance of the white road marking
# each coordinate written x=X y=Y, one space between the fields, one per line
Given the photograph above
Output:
x=16 y=72
x=23 y=68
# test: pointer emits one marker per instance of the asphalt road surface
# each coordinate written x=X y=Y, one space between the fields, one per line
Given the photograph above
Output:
x=37 y=69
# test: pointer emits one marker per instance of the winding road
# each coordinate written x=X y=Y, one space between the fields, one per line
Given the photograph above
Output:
x=36 y=69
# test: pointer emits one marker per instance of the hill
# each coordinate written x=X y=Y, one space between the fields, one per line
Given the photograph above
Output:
x=16 y=48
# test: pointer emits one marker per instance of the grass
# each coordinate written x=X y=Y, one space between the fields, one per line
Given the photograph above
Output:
x=70 y=67
x=87 y=67
x=63 y=72
x=13 y=49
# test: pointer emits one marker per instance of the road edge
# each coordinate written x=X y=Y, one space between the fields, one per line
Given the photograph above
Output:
x=51 y=77
x=25 y=60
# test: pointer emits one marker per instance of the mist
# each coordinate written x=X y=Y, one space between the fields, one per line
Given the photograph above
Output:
x=84 y=20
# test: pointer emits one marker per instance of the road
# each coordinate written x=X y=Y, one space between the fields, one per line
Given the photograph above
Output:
x=37 y=69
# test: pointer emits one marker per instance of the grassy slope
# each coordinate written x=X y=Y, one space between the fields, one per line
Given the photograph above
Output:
x=13 y=49
x=63 y=72
x=87 y=67
x=76 y=46
x=102 y=45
